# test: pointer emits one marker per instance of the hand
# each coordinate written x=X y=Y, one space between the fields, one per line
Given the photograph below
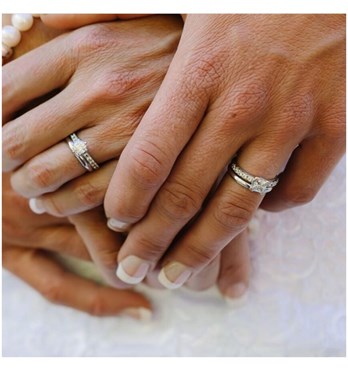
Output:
x=28 y=240
x=87 y=192
x=126 y=62
x=230 y=272
x=238 y=83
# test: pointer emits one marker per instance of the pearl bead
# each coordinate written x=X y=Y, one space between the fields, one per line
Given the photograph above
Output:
x=10 y=36
x=23 y=22
x=6 y=51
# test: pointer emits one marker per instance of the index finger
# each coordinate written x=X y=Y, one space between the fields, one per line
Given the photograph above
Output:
x=150 y=154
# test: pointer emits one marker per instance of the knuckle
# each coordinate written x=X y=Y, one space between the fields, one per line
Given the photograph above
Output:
x=244 y=105
x=233 y=213
x=97 y=307
x=252 y=96
x=13 y=143
x=39 y=175
x=52 y=289
x=178 y=202
x=11 y=230
x=54 y=207
x=113 y=85
x=296 y=116
x=297 y=196
x=89 y=195
x=92 y=39
x=151 y=248
x=107 y=258
x=201 y=256
x=147 y=164
x=15 y=259
x=335 y=126
x=206 y=66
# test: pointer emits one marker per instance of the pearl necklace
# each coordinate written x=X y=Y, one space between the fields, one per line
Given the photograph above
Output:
x=11 y=34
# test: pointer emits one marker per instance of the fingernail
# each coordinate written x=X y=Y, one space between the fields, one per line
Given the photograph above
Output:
x=36 y=205
x=174 y=275
x=235 y=294
x=141 y=313
x=117 y=225
x=132 y=270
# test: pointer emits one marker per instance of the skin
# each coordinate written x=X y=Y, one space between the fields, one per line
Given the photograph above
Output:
x=87 y=192
x=29 y=240
x=28 y=243
x=272 y=89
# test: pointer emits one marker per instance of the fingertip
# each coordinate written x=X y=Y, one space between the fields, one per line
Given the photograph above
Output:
x=236 y=302
x=36 y=205
x=118 y=226
x=139 y=313
x=236 y=294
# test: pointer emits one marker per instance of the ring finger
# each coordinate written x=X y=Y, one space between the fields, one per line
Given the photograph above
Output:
x=226 y=215
x=52 y=168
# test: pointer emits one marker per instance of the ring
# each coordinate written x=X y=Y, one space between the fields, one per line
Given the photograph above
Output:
x=253 y=183
x=80 y=151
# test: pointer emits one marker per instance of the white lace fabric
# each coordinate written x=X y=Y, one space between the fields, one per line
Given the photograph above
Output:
x=295 y=305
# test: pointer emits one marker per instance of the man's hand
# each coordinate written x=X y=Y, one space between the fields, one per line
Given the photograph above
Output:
x=268 y=87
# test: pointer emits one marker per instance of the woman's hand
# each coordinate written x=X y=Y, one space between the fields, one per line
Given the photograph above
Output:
x=268 y=87
x=28 y=241
x=108 y=76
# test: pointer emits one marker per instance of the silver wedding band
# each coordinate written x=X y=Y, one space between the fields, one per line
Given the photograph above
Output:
x=255 y=184
x=80 y=151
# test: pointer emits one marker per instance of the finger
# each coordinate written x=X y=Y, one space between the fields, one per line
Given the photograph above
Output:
x=234 y=274
x=151 y=152
x=72 y=21
x=52 y=168
x=77 y=196
x=60 y=238
x=42 y=127
x=59 y=286
x=207 y=277
x=16 y=202
x=309 y=167
x=102 y=244
x=152 y=279
x=226 y=215
x=31 y=75
x=186 y=188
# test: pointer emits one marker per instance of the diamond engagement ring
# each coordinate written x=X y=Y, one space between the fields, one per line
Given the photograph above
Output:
x=79 y=149
x=253 y=183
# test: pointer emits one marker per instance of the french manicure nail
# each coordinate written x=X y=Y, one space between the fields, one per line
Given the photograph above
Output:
x=140 y=313
x=117 y=225
x=174 y=275
x=132 y=269
x=36 y=205
x=235 y=294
